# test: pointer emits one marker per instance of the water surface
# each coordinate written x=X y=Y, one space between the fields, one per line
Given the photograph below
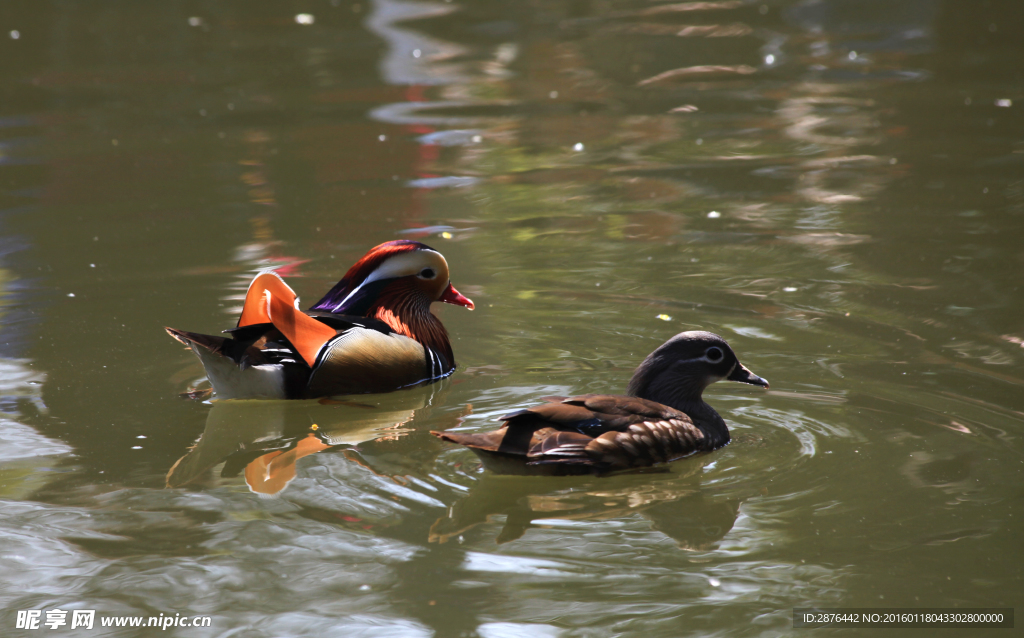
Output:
x=835 y=187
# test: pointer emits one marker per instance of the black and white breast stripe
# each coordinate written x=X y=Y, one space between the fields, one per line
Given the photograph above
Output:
x=436 y=365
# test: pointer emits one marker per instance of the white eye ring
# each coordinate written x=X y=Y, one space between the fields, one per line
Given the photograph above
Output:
x=714 y=354
x=427 y=273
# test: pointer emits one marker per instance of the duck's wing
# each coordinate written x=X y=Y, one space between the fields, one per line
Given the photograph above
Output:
x=594 y=414
x=271 y=303
x=263 y=344
x=597 y=431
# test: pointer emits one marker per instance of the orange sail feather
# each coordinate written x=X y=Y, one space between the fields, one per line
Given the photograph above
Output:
x=307 y=335
x=270 y=300
x=254 y=310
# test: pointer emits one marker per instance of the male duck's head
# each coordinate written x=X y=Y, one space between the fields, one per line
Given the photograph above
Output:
x=402 y=276
x=680 y=369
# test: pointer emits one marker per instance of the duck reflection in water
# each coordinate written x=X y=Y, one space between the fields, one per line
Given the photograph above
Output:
x=264 y=440
x=673 y=502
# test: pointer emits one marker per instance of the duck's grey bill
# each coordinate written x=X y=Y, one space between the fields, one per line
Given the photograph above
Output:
x=743 y=375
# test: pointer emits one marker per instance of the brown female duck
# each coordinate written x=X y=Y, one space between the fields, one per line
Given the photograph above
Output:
x=663 y=417
x=373 y=332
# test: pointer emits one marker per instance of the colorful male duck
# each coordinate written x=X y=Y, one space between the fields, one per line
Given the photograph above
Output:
x=373 y=332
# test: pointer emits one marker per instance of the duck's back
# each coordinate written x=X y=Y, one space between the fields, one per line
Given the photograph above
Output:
x=364 y=356
x=594 y=433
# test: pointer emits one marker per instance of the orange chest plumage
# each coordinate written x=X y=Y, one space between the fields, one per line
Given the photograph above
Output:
x=400 y=309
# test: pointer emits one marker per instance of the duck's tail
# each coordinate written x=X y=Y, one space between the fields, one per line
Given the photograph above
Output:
x=231 y=380
x=211 y=343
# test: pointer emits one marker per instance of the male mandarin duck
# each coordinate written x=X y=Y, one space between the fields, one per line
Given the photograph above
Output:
x=373 y=332
x=662 y=418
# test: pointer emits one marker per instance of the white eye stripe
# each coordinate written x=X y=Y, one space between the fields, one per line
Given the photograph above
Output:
x=704 y=359
x=411 y=263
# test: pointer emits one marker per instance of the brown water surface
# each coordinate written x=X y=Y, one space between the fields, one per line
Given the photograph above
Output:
x=836 y=187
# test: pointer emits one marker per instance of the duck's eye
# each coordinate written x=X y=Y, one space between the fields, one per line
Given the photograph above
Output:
x=428 y=273
x=713 y=354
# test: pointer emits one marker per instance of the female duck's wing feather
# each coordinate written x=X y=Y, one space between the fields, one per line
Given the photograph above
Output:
x=593 y=432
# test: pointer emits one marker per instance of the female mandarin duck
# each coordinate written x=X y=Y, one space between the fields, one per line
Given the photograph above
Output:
x=373 y=332
x=663 y=417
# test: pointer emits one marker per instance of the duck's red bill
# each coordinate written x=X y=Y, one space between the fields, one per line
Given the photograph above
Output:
x=453 y=296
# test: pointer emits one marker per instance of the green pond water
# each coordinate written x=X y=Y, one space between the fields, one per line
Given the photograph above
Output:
x=836 y=187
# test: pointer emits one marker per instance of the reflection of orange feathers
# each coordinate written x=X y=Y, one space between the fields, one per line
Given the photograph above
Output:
x=272 y=472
